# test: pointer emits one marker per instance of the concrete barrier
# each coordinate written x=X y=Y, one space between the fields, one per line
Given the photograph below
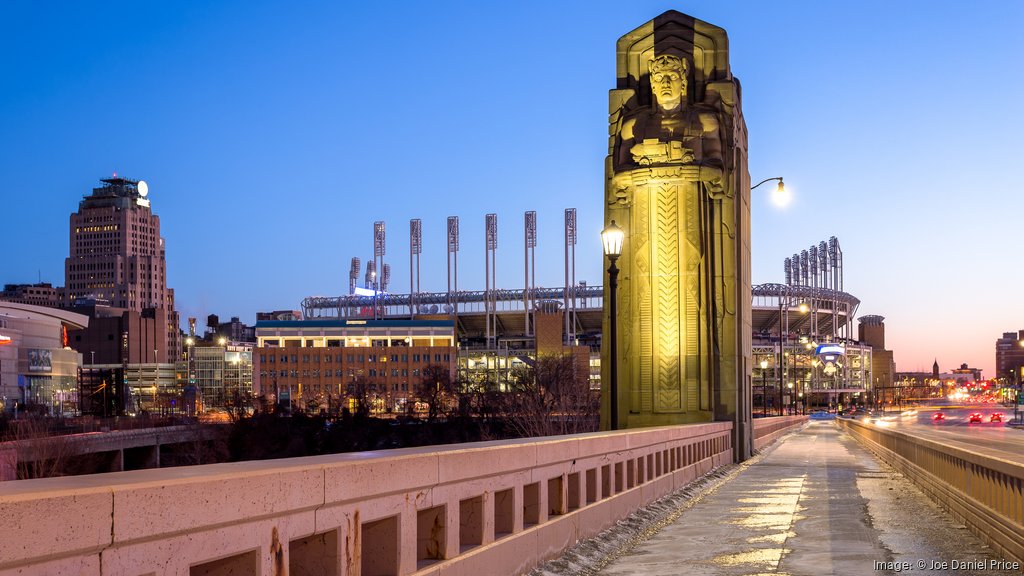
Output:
x=768 y=430
x=482 y=508
x=131 y=449
x=983 y=492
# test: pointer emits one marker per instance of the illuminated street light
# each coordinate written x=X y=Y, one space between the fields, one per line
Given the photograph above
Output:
x=764 y=387
x=611 y=238
x=781 y=197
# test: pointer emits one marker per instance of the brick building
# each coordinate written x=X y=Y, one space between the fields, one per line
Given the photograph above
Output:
x=316 y=361
x=118 y=258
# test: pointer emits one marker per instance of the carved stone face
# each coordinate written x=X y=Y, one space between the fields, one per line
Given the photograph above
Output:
x=669 y=87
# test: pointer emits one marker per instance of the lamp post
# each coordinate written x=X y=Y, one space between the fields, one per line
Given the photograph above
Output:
x=223 y=392
x=764 y=386
x=611 y=238
x=190 y=341
x=780 y=398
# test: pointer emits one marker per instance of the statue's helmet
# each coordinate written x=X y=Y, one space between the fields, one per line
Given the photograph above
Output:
x=667 y=62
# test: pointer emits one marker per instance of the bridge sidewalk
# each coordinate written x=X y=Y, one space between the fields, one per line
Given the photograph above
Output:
x=814 y=504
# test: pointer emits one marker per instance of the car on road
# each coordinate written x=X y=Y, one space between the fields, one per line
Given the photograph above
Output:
x=938 y=417
x=996 y=417
x=974 y=417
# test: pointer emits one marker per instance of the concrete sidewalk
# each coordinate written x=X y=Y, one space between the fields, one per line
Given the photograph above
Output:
x=814 y=504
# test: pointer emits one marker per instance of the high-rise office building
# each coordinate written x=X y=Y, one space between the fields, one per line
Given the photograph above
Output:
x=117 y=258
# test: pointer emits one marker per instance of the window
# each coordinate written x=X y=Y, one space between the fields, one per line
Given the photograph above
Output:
x=372 y=357
x=351 y=358
x=437 y=357
x=415 y=357
x=394 y=371
x=305 y=358
x=373 y=372
x=405 y=357
x=394 y=357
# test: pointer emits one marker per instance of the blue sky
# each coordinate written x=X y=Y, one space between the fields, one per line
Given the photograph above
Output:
x=273 y=135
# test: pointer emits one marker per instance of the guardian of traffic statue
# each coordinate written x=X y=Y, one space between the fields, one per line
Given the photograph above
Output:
x=677 y=183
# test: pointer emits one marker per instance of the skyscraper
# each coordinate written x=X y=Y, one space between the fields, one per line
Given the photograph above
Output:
x=117 y=259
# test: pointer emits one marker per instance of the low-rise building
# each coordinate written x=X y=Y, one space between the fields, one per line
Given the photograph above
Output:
x=41 y=294
x=317 y=362
x=222 y=375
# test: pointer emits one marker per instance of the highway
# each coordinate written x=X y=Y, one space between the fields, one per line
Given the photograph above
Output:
x=1001 y=439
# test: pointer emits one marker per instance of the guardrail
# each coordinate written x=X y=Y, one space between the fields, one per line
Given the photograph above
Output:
x=983 y=492
x=482 y=508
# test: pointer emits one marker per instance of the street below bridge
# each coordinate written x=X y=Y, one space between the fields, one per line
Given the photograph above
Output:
x=816 y=503
x=1000 y=439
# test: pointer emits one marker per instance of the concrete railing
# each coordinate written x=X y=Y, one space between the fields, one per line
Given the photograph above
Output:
x=483 y=508
x=984 y=492
x=129 y=449
x=768 y=430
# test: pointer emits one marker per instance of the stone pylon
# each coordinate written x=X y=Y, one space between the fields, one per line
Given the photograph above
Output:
x=677 y=184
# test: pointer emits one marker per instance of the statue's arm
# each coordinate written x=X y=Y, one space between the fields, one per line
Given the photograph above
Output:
x=626 y=132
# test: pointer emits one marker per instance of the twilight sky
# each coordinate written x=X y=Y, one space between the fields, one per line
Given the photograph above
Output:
x=273 y=135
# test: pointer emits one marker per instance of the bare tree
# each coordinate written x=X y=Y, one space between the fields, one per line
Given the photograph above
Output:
x=238 y=405
x=40 y=454
x=359 y=390
x=550 y=398
x=436 y=389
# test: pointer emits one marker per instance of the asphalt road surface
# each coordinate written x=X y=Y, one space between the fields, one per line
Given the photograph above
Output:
x=1001 y=439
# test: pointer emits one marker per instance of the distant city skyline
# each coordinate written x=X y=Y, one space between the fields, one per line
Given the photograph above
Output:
x=272 y=139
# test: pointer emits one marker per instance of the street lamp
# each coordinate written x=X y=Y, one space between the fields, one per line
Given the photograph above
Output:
x=764 y=386
x=611 y=238
x=781 y=196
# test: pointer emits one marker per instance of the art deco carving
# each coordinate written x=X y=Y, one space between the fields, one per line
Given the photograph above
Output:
x=677 y=154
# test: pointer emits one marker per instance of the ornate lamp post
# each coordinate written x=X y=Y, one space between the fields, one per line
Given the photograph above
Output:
x=611 y=238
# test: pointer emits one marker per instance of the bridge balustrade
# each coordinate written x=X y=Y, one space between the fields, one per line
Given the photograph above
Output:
x=496 y=507
x=983 y=492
